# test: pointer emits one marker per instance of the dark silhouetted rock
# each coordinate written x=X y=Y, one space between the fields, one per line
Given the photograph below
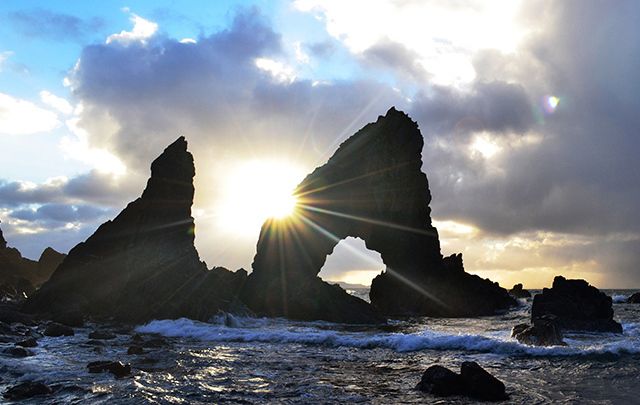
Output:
x=576 y=306
x=10 y=314
x=17 y=352
x=480 y=384
x=143 y=265
x=30 y=342
x=372 y=188
x=114 y=367
x=634 y=298
x=135 y=350
x=56 y=330
x=519 y=292
x=544 y=332
x=441 y=382
x=19 y=276
x=101 y=335
x=27 y=390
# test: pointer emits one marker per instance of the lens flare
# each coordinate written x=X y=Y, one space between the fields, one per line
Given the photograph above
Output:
x=551 y=103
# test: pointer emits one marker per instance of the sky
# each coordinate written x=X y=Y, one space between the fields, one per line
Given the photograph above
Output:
x=529 y=111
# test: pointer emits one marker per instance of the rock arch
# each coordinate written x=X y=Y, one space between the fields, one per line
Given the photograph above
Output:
x=371 y=188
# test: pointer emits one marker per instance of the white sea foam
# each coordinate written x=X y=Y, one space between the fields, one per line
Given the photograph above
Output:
x=263 y=331
x=619 y=298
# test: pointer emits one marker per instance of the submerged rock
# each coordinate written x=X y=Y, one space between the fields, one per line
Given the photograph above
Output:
x=17 y=352
x=480 y=384
x=27 y=390
x=634 y=298
x=30 y=342
x=544 y=332
x=143 y=265
x=114 y=367
x=519 y=292
x=440 y=381
x=135 y=350
x=101 y=335
x=473 y=381
x=56 y=330
x=372 y=188
x=576 y=306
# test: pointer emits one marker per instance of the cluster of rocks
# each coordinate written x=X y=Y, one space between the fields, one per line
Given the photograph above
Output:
x=634 y=298
x=569 y=305
x=473 y=381
x=518 y=291
x=143 y=265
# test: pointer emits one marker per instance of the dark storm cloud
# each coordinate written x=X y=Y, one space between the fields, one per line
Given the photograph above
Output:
x=49 y=25
x=495 y=106
x=395 y=56
x=60 y=213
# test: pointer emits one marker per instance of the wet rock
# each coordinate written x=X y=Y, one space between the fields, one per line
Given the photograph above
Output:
x=143 y=265
x=135 y=350
x=634 y=298
x=11 y=315
x=576 y=306
x=114 y=367
x=94 y=343
x=137 y=338
x=17 y=352
x=440 y=381
x=30 y=342
x=156 y=342
x=544 y=332
x=480 y=384
x=27 y=390
x=519 y=292
x=101 y=335
x=56 y=330
x=69 y=317
x=372 y=188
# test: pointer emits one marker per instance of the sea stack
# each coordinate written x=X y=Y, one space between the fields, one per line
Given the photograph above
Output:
x=576 y=305
x=372 y=188
x=143 y=264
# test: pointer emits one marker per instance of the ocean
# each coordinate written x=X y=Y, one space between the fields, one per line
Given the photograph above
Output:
x=255 y=361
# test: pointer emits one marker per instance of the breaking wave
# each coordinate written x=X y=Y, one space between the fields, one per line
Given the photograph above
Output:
x=280 y=332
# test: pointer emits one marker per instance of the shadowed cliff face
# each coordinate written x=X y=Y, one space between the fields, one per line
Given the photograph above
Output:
x=20 y=276
x=143 y=264
x=372 y=188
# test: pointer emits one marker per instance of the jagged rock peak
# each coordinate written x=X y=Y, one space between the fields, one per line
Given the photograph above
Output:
x=3 y=243
x=172 y=173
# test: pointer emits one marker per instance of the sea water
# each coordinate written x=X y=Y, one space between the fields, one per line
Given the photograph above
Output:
x=249 y=360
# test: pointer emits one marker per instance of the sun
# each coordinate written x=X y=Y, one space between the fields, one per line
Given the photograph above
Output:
x=256 y=190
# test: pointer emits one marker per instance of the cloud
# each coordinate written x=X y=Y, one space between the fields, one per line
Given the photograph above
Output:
x=21 y=117
x=392 y=55
x=50 y=25
x=58 y=103
x=141 y=32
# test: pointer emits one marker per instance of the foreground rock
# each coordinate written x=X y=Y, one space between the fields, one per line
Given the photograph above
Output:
x=371 y=188
x=19 y=276
x=544 y=331
x=576 y=306
x=101 y=335
x=27 y=390
x=473 y=381
x=57 y=330
x=114 y=367
x=143 y=265
x=519 y=292
x=634 y=298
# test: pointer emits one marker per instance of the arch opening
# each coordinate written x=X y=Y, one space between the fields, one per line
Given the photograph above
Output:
x=352 y=265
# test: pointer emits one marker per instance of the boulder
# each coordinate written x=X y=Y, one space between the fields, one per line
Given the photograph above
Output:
x=135 y=350
x=114 y=367
x=634 y=298
x=17 y=352
x=519 y=292
x=372 y=188
x=55 y=330
x=544 y=332
x=576 y=306
x=30 y=342
x=143 y=265
x=27 y=390
x=480 y=384
x=441 y=382
x=101 y=335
